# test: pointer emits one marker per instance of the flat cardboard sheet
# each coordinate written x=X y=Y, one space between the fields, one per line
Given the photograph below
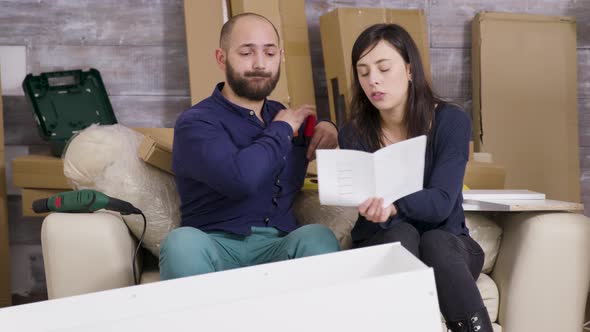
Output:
x=525 y=105
x=203 y=21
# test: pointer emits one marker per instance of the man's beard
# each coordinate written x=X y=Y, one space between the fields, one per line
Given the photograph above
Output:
x=243 y=88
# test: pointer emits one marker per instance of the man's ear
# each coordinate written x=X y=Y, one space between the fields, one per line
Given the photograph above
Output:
x=220 y=58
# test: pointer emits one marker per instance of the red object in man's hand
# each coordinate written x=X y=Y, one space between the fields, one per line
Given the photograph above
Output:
x=309 y=126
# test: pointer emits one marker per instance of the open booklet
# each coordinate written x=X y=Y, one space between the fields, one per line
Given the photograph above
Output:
x=349 y=177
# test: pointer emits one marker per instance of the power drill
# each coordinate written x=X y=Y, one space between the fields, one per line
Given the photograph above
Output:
x=83 y=201
x=86 y=201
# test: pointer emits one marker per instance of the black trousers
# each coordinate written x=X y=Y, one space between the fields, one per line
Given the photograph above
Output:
x=456 y=261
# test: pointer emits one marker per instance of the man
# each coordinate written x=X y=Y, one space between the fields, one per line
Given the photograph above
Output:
x=238 y=165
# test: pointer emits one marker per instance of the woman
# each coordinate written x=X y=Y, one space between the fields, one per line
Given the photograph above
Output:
x=391 y=102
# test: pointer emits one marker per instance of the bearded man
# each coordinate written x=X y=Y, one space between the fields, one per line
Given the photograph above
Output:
x=238 y=165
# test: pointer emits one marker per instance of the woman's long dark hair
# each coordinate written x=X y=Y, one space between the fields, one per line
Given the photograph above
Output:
x=364 y=117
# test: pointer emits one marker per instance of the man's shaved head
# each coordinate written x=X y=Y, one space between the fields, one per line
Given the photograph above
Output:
x=227 y=28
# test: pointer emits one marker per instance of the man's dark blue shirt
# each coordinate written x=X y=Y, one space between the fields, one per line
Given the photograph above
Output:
x=234 y=171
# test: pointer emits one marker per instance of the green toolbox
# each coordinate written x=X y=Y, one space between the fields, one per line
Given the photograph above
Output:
x=66 y=102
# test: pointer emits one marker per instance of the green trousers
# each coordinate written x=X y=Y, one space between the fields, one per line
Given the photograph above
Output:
x=188 y=251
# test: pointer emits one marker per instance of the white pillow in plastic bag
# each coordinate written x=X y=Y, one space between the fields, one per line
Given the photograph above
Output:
x=104 y=158
x=487 y=234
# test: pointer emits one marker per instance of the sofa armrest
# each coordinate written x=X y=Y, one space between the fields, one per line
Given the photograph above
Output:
x=86 y=253
x=543 y=271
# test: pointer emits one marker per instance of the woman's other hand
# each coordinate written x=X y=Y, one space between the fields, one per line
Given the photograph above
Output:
x=372 y=209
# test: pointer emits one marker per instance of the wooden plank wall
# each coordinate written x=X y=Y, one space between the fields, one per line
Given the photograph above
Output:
x=139 y=48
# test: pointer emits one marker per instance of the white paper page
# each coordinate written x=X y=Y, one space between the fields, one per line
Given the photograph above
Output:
x=399 y=169
x=345 y=177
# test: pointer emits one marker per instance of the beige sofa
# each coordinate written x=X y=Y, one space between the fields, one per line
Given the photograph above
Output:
x=536 y=273
x=539 y=280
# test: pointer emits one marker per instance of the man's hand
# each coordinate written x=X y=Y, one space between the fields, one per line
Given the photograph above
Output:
x=372 y=209
x=325 y=136
x=295 y=117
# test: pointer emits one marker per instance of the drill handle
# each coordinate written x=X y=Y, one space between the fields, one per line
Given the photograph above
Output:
x=122 y=207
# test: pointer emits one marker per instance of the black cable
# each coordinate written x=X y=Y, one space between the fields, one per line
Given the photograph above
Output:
x=135 y=276
x=134 y=258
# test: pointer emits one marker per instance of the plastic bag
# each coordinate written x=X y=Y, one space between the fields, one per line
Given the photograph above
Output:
x=487 y=234
x=104 y=158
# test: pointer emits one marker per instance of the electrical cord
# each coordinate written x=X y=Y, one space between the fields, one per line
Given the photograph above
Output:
x=134 y=258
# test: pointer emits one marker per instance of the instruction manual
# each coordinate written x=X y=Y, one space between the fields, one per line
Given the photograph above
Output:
x=349 y=177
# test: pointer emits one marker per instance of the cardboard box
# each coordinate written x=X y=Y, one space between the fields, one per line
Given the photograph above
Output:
x=339 y=30
x=321 y=295
x=164 y=136
x=203 y=21
x=525 y=105
x=156 y=147
x=39 y=171
x=28 y=196
x=297 y=65
x=295 y=86
x=480 y=175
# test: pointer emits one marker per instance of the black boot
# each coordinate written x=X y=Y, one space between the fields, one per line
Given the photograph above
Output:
x=479 y=321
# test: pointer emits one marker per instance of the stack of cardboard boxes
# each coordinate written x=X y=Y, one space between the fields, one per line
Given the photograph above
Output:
x=42 y=176
x=38 y=176
x=339 y=30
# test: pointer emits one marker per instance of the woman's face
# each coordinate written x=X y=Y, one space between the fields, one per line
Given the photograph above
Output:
x=384 y=77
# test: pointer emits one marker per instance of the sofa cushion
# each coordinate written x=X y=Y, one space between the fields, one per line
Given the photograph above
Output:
x=105 y=158
x=490 y=295
x=339 y=219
